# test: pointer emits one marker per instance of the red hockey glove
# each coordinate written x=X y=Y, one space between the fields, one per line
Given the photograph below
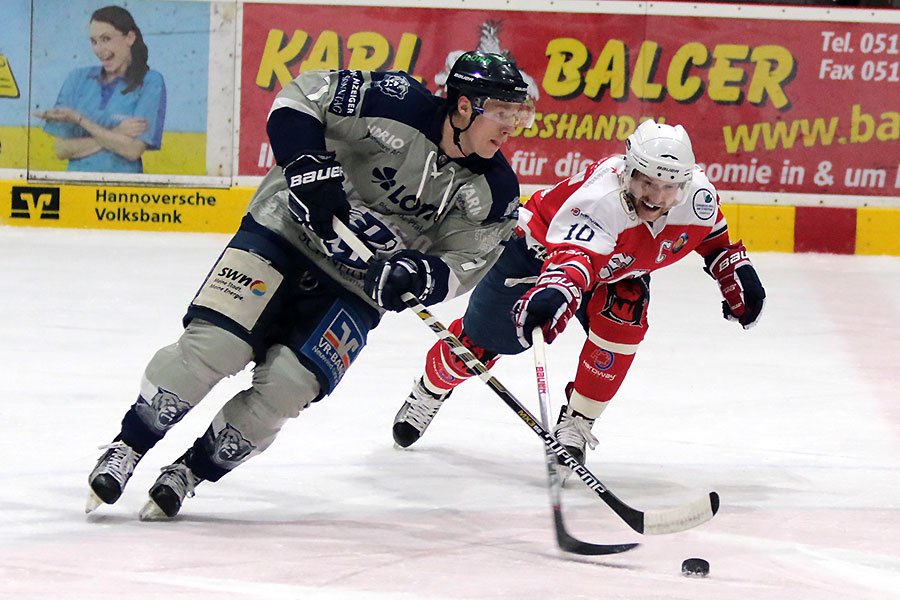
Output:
x=744 y=294
x=548 y=305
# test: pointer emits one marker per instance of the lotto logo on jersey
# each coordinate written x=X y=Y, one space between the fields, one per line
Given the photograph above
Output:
x=385 y=178
x=334 y=172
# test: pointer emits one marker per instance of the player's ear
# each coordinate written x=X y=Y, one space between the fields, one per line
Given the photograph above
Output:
x=464 y=106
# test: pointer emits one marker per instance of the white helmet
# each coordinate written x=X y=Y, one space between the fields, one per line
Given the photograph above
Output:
x=659 y=151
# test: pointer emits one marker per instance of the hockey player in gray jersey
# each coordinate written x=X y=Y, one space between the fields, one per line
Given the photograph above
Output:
x=418 y=178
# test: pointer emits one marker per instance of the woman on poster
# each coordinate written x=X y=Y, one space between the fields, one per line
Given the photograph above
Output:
x=107 y=116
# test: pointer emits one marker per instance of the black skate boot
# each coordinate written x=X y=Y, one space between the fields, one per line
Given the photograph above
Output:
x=416 y=414
x=175 y=483
x=111 y=473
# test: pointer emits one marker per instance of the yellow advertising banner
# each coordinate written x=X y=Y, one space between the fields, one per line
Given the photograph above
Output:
x=105 y=206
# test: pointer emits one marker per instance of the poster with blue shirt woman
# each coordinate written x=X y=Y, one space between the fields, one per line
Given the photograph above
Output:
x=106 y=116
x=120 y=88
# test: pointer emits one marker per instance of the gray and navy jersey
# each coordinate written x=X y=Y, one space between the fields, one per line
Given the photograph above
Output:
x=385 y=129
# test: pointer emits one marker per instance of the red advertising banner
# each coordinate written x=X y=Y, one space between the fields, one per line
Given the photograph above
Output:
x=770 y=105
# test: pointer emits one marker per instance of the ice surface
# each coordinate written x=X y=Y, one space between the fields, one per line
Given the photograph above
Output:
x=795 y=423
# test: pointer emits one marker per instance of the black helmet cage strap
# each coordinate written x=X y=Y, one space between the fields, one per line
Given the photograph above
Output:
x=456 y=130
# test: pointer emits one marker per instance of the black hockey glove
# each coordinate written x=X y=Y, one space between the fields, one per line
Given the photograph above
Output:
x=316 y=192
x=744 y=294
x=423 y=275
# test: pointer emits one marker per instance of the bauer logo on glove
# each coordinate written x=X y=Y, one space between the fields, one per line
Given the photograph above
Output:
x=316 y=192
x=336 y=172
x=732 y=259
x=739 y=284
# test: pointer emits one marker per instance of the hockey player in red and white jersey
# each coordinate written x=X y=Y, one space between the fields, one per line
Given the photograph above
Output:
x=586 y=247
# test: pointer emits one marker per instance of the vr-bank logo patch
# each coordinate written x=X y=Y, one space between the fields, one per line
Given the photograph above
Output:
x=704 y=204
x=34 y=203
x=394 y=85
x=334 y=346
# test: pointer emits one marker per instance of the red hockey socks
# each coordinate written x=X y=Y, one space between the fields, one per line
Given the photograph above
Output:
x=444 y=370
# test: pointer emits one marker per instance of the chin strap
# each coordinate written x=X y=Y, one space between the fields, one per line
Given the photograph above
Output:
x=457 y=131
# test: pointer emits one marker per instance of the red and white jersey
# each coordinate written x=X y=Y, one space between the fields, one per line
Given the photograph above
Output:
x=590 y=229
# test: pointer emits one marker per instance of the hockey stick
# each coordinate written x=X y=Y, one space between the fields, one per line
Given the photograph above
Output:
x=565 y=540
x=645 y=522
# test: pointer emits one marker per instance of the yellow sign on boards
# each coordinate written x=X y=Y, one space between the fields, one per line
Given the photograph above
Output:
x=123 y=208
x=8 y=86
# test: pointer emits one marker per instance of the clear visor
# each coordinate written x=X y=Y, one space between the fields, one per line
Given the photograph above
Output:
x=511 y=114
x=657 y=191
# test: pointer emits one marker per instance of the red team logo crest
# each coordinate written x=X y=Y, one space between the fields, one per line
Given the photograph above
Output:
x=626 y=301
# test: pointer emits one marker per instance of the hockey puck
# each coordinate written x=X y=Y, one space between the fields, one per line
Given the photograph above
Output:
x=695 y=567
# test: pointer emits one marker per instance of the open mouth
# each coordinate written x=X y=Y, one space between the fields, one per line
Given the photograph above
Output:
x=649 y=206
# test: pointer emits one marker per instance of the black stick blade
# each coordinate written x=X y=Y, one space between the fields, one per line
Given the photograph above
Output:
x=567 y=543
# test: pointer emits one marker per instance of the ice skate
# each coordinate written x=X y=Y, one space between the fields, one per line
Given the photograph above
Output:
x=175 y=483
x=573 y=431
x=416 y=414
x=113 y=470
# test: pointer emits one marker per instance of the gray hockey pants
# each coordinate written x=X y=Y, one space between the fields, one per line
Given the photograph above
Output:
x=180 y=375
